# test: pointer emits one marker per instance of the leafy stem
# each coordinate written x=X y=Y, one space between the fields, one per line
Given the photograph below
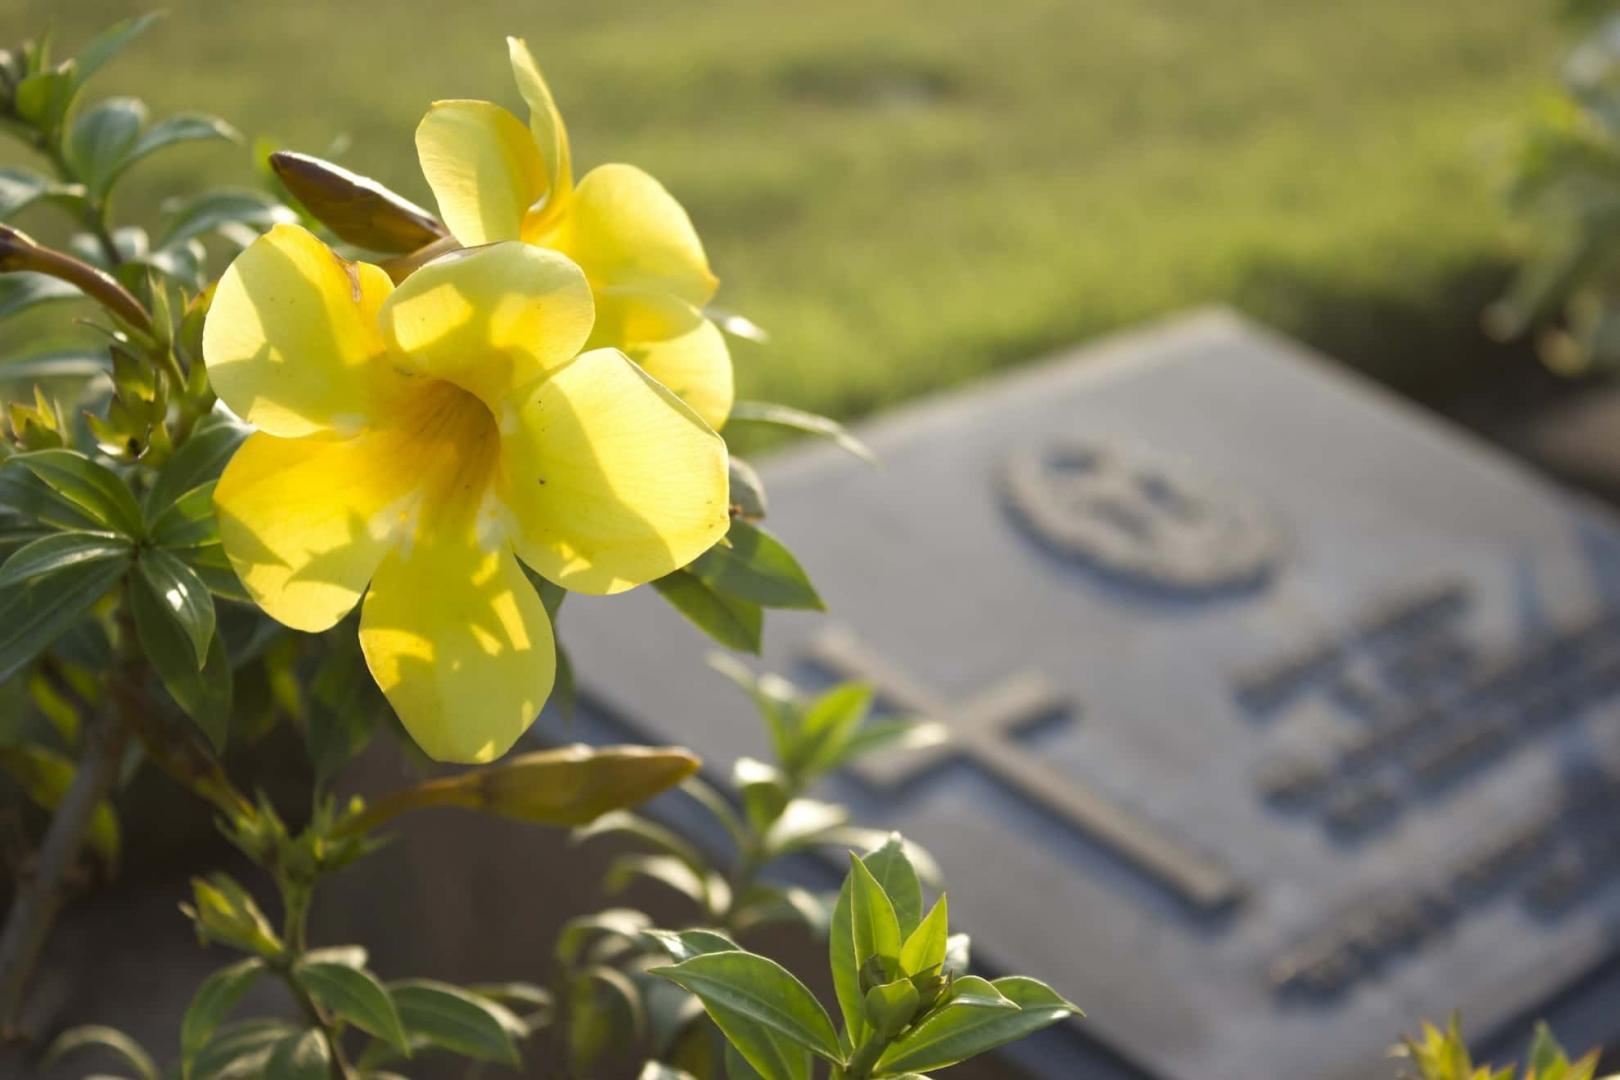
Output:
x=96 y=211
x=296 y=897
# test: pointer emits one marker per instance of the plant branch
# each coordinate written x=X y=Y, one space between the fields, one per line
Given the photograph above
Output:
x=39 y=894
x=296 y=896
x=95 y=212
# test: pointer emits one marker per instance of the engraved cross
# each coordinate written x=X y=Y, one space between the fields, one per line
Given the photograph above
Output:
x=982 y=730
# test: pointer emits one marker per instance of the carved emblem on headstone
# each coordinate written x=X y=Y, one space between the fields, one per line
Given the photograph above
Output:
x=1152 y=522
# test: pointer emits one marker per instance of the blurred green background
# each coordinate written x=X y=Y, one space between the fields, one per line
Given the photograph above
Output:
x=908 y=194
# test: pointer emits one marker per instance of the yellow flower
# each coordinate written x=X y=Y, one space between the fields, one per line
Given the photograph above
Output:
x=422 y=440
x=496 y=180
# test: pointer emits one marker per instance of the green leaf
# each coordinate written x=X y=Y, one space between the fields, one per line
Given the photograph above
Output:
x=801 y=824
x=876 y=930
x=109 y=43
x=752 y=564
x=890 y=1007
x=625 y=923
x=58 y=551
x=183 y=596
x=188 y=523
x=101 y=141
x=972 y=991
x=890 y=735
x=22 y=289
x=198 y=461
x=203 y=693
x=213 y=1001
x=604 y=1007
x=746 y=994
x=21 y=188
x=55 y=364
x=765 y=412
x=732 y=621
x=34 y=615
x=301 y=1056
x=106 y=1038
x=623 y=823
x=747 y=490
x=88 y=485
x=898 y=879
x=42 y=98
x=181 y=128
x=826 y=727
x=891 y=865
x=212 y=565
x=958 y=1032
x=765 y=791
x=241 y=213
x=707 y=890
x=354 y=995
x=682 y=945
x=924 y=948
x=453 y=1019
x=240 y=1050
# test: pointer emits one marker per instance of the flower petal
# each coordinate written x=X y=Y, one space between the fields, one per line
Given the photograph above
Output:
x=490 y=319
x=626 y=230
x=291 y=339
x=459 y=642
x=483 y=167
x=545 y=122
x=306 y=521
x=673 y=343
x=613 y=480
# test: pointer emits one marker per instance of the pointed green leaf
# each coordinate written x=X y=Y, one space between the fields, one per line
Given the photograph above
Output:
x=892 y=866
x=970 y=990
x=682 y=945
x=240 y=1049
x=106 y=1038
x=88 y=485
x=34 y=615
x=58 y=551
x=732 y=621
x=958 y=1032
x=453 y=1019
x=890 y=1007
x=876 y=929
x=765 y=412
x=199 y=460
x=626 y=923
x=183 y=596
x=213 y=1001
x=752 y=564
x=102 y=140
x=203 y=693
x=21 y=290
x=744 y=992
x=354 y=995
x=242 y=214
x=924 y=949
x=180 y=128
x=109 y=43
x=301 y=1056
x=21 y=188
x=828 y=723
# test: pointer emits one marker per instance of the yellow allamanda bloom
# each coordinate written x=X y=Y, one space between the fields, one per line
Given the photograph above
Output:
x=496 y=179
x=420 y=440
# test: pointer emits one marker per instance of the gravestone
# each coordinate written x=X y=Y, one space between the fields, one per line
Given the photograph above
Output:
x=1282 y=714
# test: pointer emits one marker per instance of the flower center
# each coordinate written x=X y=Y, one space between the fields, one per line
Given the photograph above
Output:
x=452 y=438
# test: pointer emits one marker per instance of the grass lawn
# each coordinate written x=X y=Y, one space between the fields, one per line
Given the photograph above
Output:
x=914 y=192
